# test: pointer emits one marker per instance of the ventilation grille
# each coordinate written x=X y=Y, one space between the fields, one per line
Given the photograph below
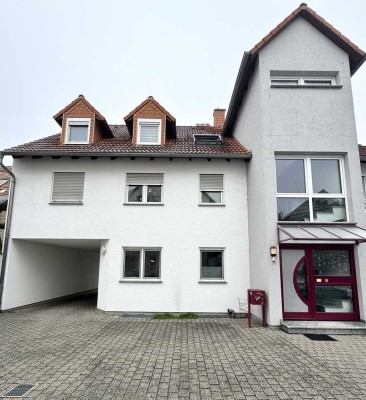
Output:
x=19 y=391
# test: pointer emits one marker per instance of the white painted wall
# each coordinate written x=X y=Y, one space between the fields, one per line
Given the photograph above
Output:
x=38 y=272
x=295 y=121
x=180 y=227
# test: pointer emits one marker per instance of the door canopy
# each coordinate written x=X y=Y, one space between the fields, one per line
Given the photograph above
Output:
x=321 y=232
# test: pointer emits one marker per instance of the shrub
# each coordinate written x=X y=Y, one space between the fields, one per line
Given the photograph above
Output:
x=164 y=316
x=188 y=315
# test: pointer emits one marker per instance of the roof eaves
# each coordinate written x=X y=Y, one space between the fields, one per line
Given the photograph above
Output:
x=240 y=88
x=127 y=154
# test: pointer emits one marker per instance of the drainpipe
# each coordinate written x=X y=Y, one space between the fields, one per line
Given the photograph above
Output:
x=7 y=227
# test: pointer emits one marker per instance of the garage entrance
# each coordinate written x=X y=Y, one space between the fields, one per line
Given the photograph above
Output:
x=47 y=269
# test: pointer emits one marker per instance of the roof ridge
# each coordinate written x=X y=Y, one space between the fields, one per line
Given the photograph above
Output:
x=150 y=98
x=303 y=10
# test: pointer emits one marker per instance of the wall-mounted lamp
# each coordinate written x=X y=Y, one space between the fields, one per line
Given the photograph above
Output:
x=103 y=250
x=273 y=253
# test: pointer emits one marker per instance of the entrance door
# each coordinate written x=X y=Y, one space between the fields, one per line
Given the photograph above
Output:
x=319 y=283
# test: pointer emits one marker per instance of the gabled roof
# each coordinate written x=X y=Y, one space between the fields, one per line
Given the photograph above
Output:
x=58 y=117
x=356 y=56
x=150 y=98
x=121 y=146
x=83 y=100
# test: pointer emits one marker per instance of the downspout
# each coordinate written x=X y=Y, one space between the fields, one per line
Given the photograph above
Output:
x=7 y=228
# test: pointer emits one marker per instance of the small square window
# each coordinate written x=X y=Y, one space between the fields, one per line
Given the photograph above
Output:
x=149 y=131
x=77 y=130
x=141 y=263
x=212 y=264
x=68 y=187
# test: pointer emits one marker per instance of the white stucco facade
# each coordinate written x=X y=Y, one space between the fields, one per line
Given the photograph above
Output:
x=300 y=121
x=180 y=227
x=57 y=249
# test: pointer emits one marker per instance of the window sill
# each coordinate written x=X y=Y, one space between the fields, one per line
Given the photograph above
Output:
x=211 y=205
x=212 y=281
x=140 y=281
x=306 y=87
x=66 y=203
x=143 y=204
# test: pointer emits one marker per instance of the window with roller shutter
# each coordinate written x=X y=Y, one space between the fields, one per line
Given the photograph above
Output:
x=211 y=189
x=144 y=188
x=149 y=131
x=68 y=187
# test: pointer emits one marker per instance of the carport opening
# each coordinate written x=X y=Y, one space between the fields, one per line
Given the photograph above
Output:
x=42 y=270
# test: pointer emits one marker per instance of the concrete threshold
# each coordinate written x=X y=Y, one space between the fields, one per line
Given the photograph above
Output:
x=325 y=327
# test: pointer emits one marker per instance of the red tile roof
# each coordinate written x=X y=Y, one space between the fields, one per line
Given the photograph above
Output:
x=85 y=101
x=150 y=98
x=362 y=150
x=121 y=145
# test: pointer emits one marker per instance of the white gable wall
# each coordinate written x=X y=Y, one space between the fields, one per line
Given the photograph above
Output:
x=303 y=121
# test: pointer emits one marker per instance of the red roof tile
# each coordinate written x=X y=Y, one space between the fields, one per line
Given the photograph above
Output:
x=150 y=98
x=121 y=144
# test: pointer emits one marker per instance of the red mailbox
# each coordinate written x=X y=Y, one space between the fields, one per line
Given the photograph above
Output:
x=257 y=297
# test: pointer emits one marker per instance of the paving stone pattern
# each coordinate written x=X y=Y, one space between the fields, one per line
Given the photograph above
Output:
x=70 y=350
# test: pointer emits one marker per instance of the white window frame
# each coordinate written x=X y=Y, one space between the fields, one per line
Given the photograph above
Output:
x=208 y=249
x=80 y=120
x=144 y=195
x=141 y=121
x=309 y=182
x=142 y=251
x=301 y=80
x=200 y=203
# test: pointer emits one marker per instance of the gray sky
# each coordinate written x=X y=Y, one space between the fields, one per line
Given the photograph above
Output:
x=184 y=53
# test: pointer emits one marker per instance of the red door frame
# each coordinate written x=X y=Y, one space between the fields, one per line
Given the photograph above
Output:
x=312 y=314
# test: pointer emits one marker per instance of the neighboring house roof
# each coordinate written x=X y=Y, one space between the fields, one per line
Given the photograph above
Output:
x=362 y=150
x=356 y=56
x=121 y=145
x=4 y=182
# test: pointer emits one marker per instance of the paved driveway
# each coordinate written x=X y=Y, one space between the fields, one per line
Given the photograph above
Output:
x=71 y=350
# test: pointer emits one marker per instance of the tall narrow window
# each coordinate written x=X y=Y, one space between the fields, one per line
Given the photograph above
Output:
x=68 y=187
x=310 y=189
x=149 y=131
x=77 y=130
x=144 y=188
x=211 y=189
x=212 y=264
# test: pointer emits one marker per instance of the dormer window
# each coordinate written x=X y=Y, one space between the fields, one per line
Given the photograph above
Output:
x=149 y=131
x=78 y=130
